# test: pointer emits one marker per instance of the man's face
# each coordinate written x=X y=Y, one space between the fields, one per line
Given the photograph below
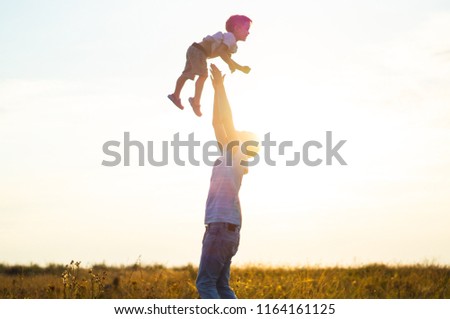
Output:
x=242 y=31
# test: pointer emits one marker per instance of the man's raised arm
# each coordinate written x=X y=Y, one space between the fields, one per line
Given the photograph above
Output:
x=222 y=117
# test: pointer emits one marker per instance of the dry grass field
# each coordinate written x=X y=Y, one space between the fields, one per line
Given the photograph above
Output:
x=158 y=282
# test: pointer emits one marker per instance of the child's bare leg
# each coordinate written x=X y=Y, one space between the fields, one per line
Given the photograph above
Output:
x=199 y=89
x=175 y=97
x=179 y=86
x=195 y=101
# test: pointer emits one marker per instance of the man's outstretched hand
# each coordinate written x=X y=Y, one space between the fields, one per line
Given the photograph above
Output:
x=216 y=76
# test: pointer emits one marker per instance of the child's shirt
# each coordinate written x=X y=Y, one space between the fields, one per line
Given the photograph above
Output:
x=211 y=43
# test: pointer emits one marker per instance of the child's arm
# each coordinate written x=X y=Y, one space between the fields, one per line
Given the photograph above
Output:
x=233 y=65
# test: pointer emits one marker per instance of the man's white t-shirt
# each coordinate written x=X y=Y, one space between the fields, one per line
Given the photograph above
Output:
x=222 y=205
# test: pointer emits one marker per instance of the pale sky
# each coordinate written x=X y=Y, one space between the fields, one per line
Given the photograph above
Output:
x=76 y=74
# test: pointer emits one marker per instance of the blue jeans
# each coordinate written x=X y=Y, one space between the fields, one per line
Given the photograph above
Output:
x=219 y=245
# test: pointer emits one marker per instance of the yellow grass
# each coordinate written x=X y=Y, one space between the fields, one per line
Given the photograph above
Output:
x=156 y=281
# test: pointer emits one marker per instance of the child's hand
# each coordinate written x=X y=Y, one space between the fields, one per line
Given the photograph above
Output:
x=245 y=69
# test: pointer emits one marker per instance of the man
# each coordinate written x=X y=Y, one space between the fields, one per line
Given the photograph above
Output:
x=223 y=212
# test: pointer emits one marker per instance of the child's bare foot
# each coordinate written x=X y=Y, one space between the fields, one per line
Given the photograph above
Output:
x=195 y=107
x=176 y=101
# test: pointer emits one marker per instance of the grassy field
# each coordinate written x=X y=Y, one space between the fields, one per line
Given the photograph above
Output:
x=156 y=281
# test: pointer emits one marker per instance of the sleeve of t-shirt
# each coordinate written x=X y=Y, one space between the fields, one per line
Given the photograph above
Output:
x=230 y=41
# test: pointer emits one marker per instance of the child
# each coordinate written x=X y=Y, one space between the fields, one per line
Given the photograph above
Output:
x=212 y=46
